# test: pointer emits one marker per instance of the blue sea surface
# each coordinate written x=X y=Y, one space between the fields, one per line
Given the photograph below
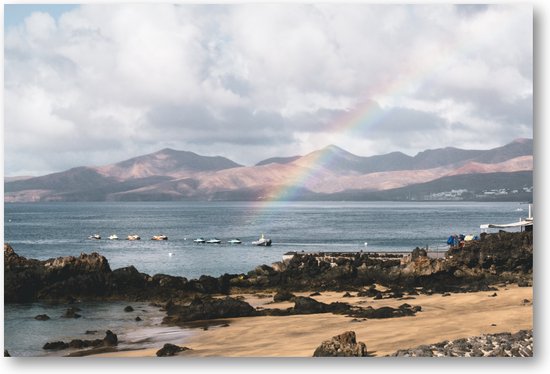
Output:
x=46 y=230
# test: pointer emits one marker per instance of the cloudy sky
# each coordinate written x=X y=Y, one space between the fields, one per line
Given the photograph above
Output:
x=95 y=84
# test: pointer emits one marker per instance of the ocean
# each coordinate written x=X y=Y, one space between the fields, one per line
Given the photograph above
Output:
x=46 y=230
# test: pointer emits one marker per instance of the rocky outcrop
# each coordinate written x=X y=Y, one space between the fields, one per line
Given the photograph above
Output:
x=495 y=258
x=283 y=295
x=110 y=340
x=27 y=279
x=307 y=305
x=71 y=313
x=208 y=308
x=170 y=350
x=519 y=344
x=343 y=345
x=404 y=310
x=55 y=346
x=42 y=317
x=90 y=276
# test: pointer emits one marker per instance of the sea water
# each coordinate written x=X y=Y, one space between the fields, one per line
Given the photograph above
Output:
x=47 y=230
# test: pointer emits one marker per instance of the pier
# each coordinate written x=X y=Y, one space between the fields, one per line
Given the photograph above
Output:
x=386 y=255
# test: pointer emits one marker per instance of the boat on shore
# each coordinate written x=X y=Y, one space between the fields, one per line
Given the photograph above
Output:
x=159 y=237
x=133 y=237
x=262 y=242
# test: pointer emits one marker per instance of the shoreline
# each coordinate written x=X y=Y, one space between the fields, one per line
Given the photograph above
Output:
x=457 y=316
x=389 y=302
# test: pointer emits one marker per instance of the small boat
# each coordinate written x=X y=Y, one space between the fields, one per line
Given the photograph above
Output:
x=113 y=237
x=235 y=241
x=94 y=236
x=199 y=240
x=159 y=237
x=263 y=242
x=213 y=241
x=133 y=237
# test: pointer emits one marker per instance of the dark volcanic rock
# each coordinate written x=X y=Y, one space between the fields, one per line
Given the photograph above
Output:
x=71 y=313
x=385 y=312
x=6 y=353
x=170 y=350
x=110 y=339
x=129 y=280
x=418 y=252
x=370 y=292
x=307 y=305
x=28 y=279
x=283 y=296
x=519 y=344
x=56 y=345
x=42 y=317
x=128 y=309
x=343 y=345
x=137 y=319
x=201 y=309
x=495 y=259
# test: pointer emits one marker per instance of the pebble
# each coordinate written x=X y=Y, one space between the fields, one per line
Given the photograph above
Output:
x=519 y=344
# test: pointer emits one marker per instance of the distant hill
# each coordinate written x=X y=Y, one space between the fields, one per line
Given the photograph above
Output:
x=476 y=184
x=328 y=173
x=278 y=160
x=166 y=162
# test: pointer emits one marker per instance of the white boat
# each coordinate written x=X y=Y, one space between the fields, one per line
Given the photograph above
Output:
x=213 y=241
x=199 y=240
x=524 y=224
x=235 y=241
x=262 y=242
x=113 y=237
x=133 y=237
x=94 y=236
x=159 y=237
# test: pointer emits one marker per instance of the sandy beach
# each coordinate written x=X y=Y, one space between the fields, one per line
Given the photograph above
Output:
x=442 y=318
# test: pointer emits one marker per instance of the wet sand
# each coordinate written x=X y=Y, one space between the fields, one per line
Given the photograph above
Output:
x=441 y=318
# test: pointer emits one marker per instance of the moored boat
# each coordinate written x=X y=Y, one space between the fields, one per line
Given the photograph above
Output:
x=263 y=242
x=94 y=236
x=235 y=241
x=199 y=240
x=133 y=237
x=113 y=237
x=159 y=237
x=213 y=241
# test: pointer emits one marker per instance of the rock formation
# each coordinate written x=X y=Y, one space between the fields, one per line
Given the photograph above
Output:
x=519 y=344
x=495 y=258
x=343 y=345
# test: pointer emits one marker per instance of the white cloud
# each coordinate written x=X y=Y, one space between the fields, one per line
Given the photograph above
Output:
x=106 y=82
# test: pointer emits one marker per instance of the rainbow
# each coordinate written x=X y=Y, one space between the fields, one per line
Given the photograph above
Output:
x=368 y=114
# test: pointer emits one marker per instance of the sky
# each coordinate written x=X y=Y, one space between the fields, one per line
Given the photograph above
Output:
x=99 y=83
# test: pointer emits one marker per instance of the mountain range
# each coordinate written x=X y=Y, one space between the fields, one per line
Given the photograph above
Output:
x=328 y=173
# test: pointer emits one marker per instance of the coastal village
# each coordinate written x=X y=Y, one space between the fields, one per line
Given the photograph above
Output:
x=465 y=194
